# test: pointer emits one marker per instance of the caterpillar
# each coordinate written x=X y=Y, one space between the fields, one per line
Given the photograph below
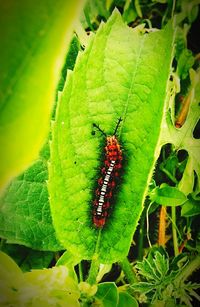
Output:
x=110 y=173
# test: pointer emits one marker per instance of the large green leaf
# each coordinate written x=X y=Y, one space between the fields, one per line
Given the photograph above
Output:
x=25 y=216
x=34 y=38
x=183 y=138
x=123 y=72
x=25 y=200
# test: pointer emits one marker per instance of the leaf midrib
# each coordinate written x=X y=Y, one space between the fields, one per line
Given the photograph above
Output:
x=132 y=82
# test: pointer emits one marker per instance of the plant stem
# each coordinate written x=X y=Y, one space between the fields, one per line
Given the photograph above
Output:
x=141 y=236
x=169 y=175
x=184 y=111
x=189 y=269
x=87 y=17
x=175 y=240
x=94 y=268
x=173 y=8
x=162 y=227
x=2 y=242
x=128 y=271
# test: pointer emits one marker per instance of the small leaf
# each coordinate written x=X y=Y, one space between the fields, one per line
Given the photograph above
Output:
x=125 y=299
x=68 y=259
x=178 y=263
x=148 y=270
x=138 y=8
x=194 y=12
x=104 y=269
x=180 y=41
x=92 y=11
x=143 y=287
x=161 y=264
x=186 y=183
x=168 y=196
x=130 y=13
x=170 y=164
x=185 y=62
x=107 y=294
x=190 y=208
x=190 y=9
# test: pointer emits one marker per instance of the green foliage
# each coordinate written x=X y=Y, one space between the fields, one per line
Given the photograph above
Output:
x=186 y=61
x=30 y=69
x=25 y=201
x=182 y=139
x=93 y=11
x=164 y=281
x=37 y=288
x=129 y=14
x=107 y=295
x=70 y=60
x=119 y=74
x=26 y=258
x=188 y=10
x=125 y=299
x=167 y=196
x=122 y=72
x=191 y=208
x=68 y=259
x=180 y=42
x=25 y=216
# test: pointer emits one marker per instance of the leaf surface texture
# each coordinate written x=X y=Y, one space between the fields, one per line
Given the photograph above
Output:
x=122 y=73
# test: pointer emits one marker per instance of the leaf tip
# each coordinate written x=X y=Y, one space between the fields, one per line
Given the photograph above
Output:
x=116 y=15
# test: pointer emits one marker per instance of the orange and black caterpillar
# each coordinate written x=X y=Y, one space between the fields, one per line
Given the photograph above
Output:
x=110 y=173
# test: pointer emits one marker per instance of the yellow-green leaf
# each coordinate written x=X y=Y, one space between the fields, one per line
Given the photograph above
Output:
x=34 y=40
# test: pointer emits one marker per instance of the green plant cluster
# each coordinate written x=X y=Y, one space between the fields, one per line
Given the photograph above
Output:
x=166 y=282
x=133 y=59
